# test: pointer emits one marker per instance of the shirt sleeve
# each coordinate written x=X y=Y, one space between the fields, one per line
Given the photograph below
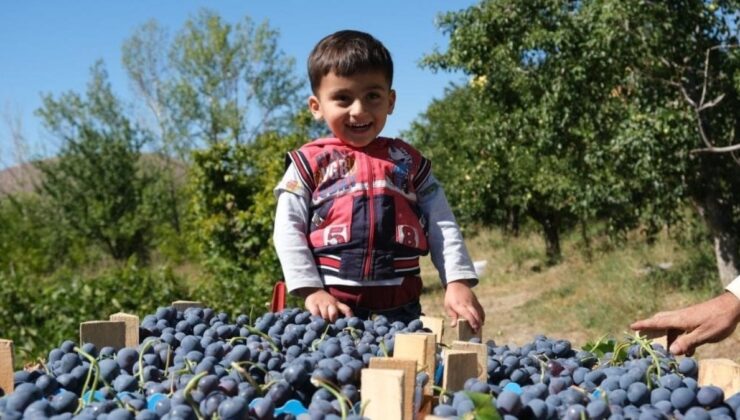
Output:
x=734 y=287
x=446 y=244
x=289 y=235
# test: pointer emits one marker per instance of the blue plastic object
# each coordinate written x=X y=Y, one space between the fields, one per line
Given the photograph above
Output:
x=513 y=387
x=96 y=396
x=151 y=402
x=438 y=375
x=293 y=407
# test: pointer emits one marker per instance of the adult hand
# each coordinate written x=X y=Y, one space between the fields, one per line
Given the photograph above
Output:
x=460 y=301
x=706 y=322
x=320 y=302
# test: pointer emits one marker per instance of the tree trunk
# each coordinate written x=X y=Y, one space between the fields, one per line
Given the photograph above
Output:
x=552 y=241
x=550 y=223
x=718 y=218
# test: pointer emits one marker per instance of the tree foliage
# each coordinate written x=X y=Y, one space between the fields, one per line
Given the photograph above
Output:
x=214 y=82
x=95 y=182
x=595 y=93
x=233 y=207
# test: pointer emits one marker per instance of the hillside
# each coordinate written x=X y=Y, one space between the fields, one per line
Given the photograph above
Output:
x=24 y=177
x=579 y=299
x=21 y=178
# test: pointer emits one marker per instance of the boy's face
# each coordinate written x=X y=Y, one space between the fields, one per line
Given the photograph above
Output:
x=355 y=108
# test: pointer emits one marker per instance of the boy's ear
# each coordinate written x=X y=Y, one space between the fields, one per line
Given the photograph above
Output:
x=315 y=107
x=392 y=101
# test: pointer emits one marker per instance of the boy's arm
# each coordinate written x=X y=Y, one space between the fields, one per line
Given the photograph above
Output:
x=297 y=262
x=450 y=256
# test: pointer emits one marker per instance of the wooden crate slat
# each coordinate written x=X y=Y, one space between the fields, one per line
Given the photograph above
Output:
x=460 y=365
x=463 y=332
x=481 y=351
x=104 y=333
x=420 y=347
x=182 y=305
x=6 y=366
x=408 y=366
x=723 y=373
x=132 y=327
x=382 y=393
x=435 y=324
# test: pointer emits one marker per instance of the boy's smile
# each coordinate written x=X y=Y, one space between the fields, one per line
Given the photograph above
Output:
x=354 y=107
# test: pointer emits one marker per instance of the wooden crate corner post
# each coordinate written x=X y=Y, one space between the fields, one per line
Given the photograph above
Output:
x=723 y=373
x=436 y=325
x=382 y=393
x=481 y=351
x=6 y=366
x=460 y=365
x=422 y=348
x=408 y=366
x=104 y=333
x=463 y=332
x=132 y=327
x=182 y=305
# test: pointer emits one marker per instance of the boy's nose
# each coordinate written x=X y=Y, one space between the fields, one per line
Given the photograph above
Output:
x=357 y=108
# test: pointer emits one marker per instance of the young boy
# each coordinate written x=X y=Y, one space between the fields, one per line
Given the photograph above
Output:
x=356 y=211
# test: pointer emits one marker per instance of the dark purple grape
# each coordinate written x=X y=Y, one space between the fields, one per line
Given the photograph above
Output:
x=509 y=402
x=710 y=396
x=182 y=411
x=671 y=381
x=23 y=395
x=536 y=409
x=109 y=370
x=696 y=413
x=120 y=414
x=444 y=410
x=659 y=394
x=597 y=410
x=688 y=367
x=638 y=394
x=47 y=384
x=683 y=398
x=575 y=412
x=264 y=409
x=345 y=375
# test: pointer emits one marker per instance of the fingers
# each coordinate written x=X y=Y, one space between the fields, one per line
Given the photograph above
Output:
x=344 y=309
x=452 y=314
x=659 y=321
x=684 y=344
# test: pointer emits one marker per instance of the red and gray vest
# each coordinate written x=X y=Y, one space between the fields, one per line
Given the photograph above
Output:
x=365 y=224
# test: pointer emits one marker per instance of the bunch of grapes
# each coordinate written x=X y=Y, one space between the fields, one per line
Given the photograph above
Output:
x=197 y=364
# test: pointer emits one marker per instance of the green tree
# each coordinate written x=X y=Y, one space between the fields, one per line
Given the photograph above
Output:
x=233 y=207
x=596 y=93
x=96 y=183
x=215 y=84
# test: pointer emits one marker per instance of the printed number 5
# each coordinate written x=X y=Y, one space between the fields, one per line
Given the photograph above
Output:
x=335 y=234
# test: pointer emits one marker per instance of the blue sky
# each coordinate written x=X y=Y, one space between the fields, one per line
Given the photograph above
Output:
x=49 y=46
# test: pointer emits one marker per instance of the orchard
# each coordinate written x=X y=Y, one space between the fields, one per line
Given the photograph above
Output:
x=197 y=363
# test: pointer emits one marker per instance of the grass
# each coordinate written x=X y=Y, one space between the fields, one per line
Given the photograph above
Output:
x=588 y=294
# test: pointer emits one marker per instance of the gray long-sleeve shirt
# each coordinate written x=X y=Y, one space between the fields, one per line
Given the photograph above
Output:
x=447 y=248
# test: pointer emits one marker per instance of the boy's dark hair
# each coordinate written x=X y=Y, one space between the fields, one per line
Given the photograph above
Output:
x=346 y=53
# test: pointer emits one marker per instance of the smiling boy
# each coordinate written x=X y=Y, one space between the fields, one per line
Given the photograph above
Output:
x=356 y=211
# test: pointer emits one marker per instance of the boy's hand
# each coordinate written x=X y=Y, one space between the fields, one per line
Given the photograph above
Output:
x=320 y=302
x=460 y=301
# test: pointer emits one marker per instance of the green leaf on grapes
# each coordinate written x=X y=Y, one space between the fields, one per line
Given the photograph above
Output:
x=601 y=347
x=484 y=408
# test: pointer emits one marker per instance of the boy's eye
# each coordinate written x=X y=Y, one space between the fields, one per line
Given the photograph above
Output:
x=342 y=99
x=373 y=95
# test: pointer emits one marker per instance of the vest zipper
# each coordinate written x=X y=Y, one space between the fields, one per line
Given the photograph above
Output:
x=371 y=221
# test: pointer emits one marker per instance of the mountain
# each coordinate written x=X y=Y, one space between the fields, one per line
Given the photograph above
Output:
x=21 y=178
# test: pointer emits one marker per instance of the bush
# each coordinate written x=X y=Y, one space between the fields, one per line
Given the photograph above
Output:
x=38 y=313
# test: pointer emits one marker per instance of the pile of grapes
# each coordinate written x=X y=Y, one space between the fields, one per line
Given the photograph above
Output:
x=198 y=364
